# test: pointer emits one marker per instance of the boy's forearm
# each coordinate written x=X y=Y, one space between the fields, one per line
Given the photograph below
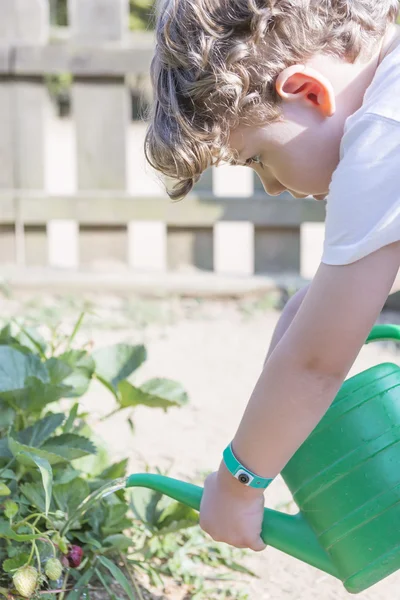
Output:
x=287 y=403
x=286 y=318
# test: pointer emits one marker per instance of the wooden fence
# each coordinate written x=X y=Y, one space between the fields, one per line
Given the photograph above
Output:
x=226 y=232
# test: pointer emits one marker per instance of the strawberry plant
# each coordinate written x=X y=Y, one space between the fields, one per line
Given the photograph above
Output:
x=41 y=480
x=49 y=547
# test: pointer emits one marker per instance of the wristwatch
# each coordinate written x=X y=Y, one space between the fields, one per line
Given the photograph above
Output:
x=242 y=474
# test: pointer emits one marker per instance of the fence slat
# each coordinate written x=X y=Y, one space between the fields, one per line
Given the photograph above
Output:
x=232 y=181
x=63 y=243
x=24 y=103
x=100 y=107
x=99 y=20
x=234 y=248
x=147 y=245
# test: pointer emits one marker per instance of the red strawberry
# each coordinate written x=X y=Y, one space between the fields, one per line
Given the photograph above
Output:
x=75 y=556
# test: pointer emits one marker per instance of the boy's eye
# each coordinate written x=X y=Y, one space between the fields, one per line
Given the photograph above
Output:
x=254 y=160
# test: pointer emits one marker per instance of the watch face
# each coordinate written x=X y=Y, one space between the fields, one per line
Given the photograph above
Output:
x=244 y=477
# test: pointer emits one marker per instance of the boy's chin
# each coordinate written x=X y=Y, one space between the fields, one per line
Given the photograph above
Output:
x=319 y=196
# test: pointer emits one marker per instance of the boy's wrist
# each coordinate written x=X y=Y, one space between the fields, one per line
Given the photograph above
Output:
x=233 y=486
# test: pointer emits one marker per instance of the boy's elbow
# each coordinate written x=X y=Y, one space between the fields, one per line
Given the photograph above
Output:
x=324 y=364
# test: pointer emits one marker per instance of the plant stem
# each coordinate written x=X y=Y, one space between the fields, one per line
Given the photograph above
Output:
x=64 y=587
x=38 y=559
x=131 y=576
x=8 y=465
x=111 y=414
x=76 y=329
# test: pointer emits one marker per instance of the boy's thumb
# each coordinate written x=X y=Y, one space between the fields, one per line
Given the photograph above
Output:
x=259 y=545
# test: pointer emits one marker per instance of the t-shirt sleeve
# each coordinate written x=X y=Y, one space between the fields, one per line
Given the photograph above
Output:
x=363 y=205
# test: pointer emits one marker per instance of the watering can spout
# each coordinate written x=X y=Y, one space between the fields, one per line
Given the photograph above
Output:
x=288 y=533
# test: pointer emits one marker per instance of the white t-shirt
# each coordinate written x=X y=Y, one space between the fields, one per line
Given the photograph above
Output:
x=363 y=205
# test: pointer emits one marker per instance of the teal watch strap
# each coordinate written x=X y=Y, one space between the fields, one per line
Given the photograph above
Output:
x=242 y=474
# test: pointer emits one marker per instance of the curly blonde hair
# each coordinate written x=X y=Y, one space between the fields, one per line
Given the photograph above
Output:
x=216 y=63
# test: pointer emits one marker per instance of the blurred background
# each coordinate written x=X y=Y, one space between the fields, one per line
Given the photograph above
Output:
x=93 y=253
x=76 y=191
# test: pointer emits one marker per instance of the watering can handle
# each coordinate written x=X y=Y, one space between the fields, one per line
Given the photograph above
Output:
x=289 y=533
x=384 y=332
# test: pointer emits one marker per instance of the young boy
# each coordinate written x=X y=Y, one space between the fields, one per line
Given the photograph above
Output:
x=307 y=93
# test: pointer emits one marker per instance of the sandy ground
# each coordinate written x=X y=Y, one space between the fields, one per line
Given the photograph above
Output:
x=217 y=354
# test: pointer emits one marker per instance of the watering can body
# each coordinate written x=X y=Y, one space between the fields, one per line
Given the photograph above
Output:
x=345 y=479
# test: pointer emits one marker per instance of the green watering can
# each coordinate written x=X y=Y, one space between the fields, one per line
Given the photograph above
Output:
x=345 y=479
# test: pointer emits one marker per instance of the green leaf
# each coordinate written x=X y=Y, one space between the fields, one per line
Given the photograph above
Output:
x=69 y=496
x=10 y=509
x=118 y=576
x=167 y=389
x=83 y=367
x=81 y=584
x=7 y=415
x=12 y=564
x=36 y=435
x=32 y=339
x=116 y=363
x=144 y=504
x=34 y=493
x=116 y=520
x=19 y=451
x=65 y=474
x=47 y=476
x=35 y=395
x=70 y=446
x=115 y=471
x=179 y=515
x=58 y=370
x=119 y=541
x=129 y=396
x=69 y=425
x=7 y=532
x=16 y=367
x=4 y=490
x=8 y=474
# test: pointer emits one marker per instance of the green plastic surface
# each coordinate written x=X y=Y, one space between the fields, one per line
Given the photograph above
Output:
x=345 y=479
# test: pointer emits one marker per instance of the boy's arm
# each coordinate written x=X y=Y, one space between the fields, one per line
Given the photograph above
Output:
x=287 y=316
x=297 y=386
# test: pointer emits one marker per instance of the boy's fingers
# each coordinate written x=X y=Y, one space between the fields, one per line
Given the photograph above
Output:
x=258 y=546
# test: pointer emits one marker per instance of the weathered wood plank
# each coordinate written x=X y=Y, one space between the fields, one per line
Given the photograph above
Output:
x=103 y=247
x=197 y=210
x=232 y=181
x=234 y=248
x=6 y=146
x=100 y=109
x=24 y=101
x=147 y=245
x=30 y=100
x=24 y=20
x=277 y=250
x=190 y=247
x=63 y=244
x=312 y=245
x=7 y=245
x=99 y=20
x=80 y=61
x=101 y=117
x=35 y=246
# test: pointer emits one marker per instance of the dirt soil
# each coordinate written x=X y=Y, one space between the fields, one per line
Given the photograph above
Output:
x=216 y=351
x=217 y=355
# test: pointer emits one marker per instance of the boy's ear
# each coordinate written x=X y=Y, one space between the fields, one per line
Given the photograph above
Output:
x=302 y=83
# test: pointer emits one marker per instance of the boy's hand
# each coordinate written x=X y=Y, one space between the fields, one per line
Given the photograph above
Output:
x=231 y=512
